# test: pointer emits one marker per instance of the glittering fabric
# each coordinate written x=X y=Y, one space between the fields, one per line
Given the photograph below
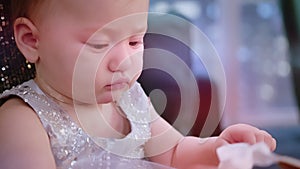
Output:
x=73 y=148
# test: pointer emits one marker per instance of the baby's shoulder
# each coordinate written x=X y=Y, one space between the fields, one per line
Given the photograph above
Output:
x=15 y=106
x=16 y=116
x=22 y=133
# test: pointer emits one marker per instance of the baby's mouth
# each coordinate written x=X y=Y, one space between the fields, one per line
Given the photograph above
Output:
x=118 y=84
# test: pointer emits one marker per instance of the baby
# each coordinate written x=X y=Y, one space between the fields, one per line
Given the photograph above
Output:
x=84 y=105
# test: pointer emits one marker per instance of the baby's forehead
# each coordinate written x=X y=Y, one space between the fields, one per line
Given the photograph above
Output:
x=80 y=13
x=118 y=29
x=101 y=10
x=104 y=7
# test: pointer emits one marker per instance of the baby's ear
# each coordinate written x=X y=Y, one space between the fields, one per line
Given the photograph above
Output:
x=26 y=37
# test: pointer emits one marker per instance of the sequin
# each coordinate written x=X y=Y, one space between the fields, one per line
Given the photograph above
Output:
x=72 y=146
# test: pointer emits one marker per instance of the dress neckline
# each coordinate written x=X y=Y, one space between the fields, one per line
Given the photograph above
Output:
x=39 y=91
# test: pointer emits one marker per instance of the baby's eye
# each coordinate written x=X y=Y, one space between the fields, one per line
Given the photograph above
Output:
x=136 y=43
x=97 y=46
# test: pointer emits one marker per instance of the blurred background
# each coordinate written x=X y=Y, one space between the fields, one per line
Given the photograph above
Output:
x=258 y=42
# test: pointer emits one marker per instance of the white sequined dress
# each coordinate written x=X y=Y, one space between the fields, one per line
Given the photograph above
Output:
x=73 y=148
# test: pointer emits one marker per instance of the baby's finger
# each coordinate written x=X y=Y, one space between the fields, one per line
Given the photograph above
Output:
x=263 y=136
x=260 y=136
x=271 y=142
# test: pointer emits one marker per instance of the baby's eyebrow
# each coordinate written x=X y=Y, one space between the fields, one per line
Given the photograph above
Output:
x=142 y=30
x=111 y=33
x=109 y=30
x=134 y=31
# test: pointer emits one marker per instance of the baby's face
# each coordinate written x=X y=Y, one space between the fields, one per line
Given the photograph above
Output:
x=94 y=47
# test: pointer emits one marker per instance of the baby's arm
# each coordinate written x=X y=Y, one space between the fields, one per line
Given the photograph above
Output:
x=170 y=148
x=24 y=143
x=167 y=146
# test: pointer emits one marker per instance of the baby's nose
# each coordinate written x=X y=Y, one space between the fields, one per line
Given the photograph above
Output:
x=120 y=57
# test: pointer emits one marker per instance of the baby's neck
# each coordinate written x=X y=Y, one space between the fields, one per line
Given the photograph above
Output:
x=52 y=93
x=102 y=120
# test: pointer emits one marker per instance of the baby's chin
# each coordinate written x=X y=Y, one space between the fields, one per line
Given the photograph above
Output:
x=110 y=97
x=103 y=98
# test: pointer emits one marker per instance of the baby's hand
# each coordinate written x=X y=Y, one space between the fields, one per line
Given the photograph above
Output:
x=248 y=134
